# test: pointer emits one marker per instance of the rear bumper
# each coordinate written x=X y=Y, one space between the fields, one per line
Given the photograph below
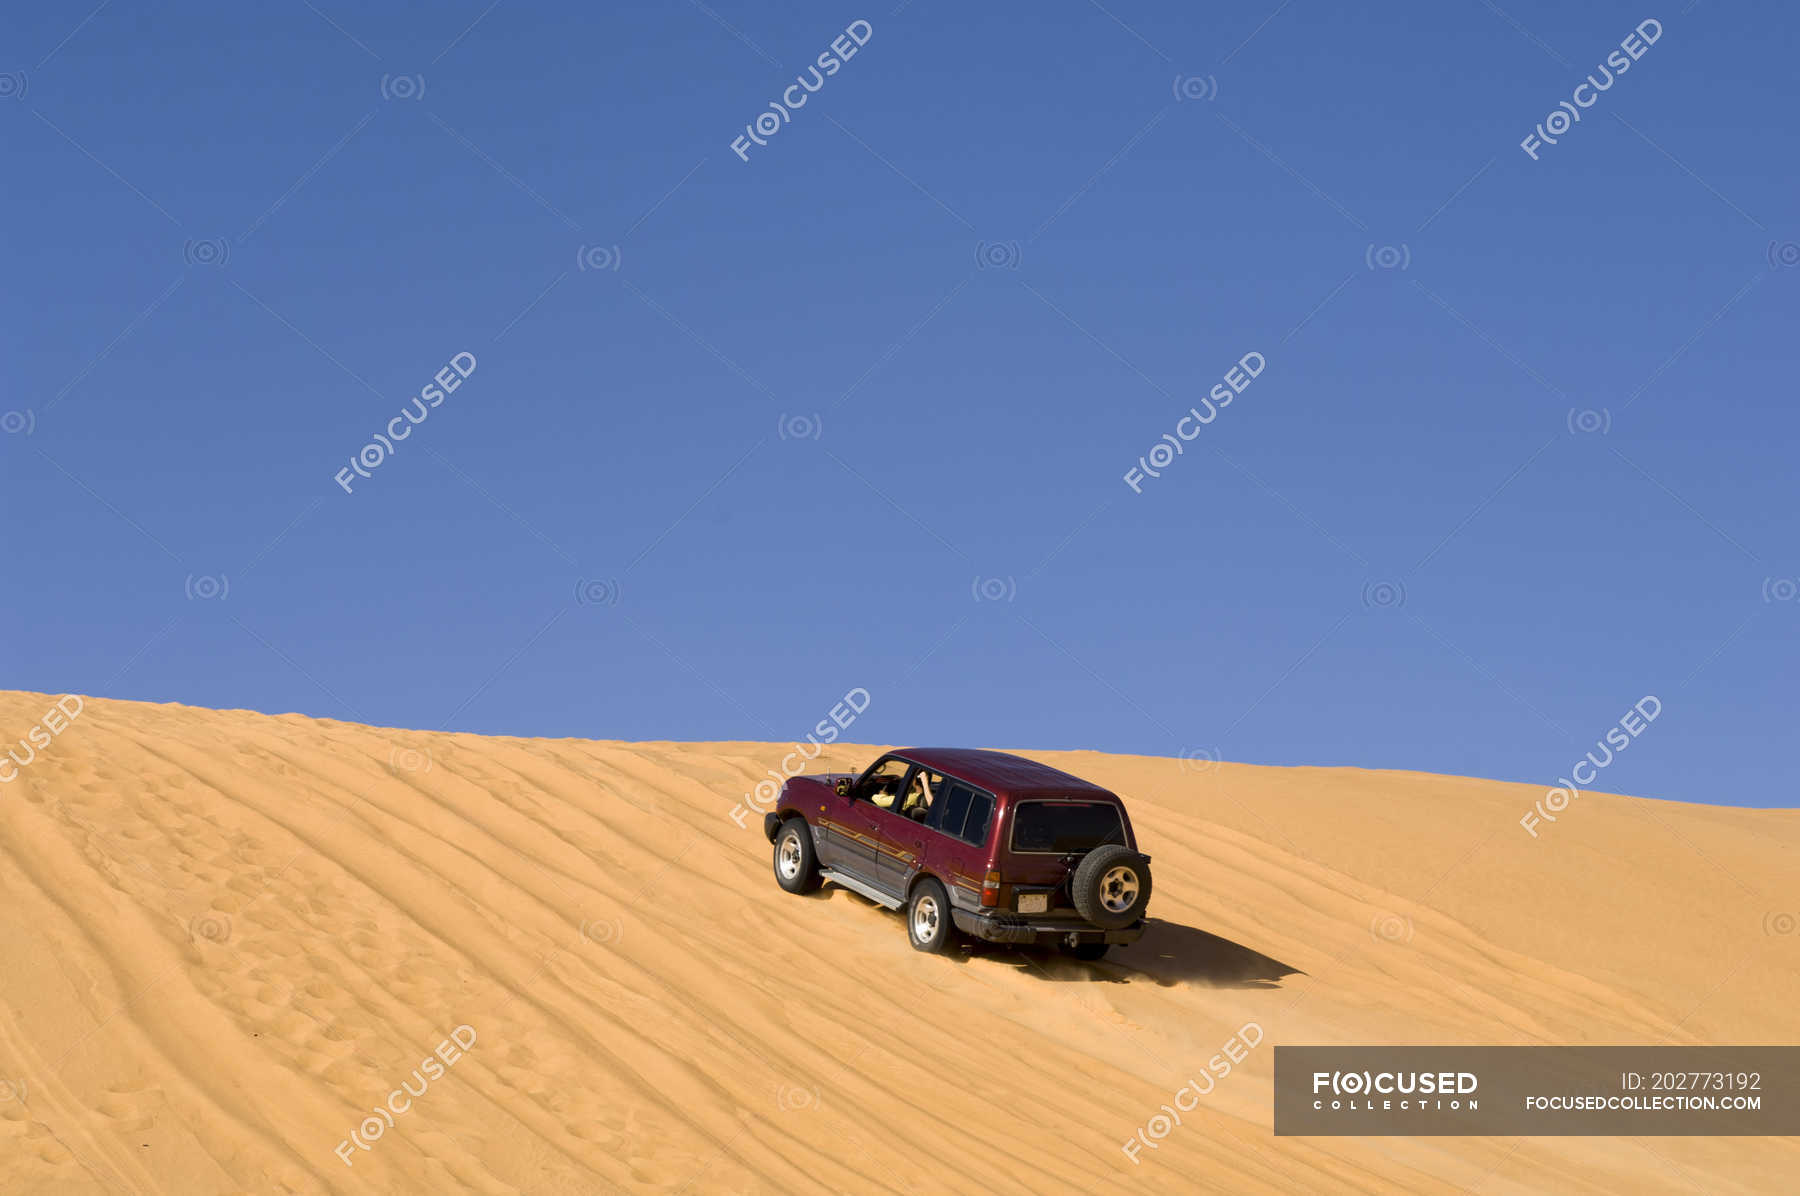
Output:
x=1006 y=927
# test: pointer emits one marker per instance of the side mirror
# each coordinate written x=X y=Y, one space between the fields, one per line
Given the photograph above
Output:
x=842 y=786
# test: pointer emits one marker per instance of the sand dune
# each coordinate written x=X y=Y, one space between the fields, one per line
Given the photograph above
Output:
x=228 y=937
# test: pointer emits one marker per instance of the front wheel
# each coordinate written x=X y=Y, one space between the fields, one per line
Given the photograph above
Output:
x=928 y=918
x=796 y=868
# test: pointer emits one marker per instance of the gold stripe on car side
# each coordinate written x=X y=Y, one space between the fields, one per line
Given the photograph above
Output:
x=846 y=832
x=905 y=857
x=839 y=828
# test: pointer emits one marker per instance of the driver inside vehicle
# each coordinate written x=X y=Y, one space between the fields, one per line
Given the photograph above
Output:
x=883 y=786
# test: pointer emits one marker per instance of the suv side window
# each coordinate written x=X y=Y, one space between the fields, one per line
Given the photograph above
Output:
x=963 y=812
x=981 y=814
x=950 y=809
x=884 y=783
x=921 y=794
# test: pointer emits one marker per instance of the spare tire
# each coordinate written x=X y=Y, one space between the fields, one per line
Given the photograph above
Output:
x=1111 y=886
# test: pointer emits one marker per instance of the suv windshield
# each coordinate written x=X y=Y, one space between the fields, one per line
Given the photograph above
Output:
x=1059 y=827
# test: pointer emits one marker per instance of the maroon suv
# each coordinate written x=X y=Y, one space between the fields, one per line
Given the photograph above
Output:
x=989 y=844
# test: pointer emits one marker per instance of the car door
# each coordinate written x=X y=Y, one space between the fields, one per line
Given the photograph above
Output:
x=854 y=833
x=958 y=830
x=900 y=835
x=830 y=828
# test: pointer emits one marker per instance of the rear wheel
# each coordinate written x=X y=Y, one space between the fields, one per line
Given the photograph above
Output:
x=796 y=868
x=1088 y=951
x=928 y=918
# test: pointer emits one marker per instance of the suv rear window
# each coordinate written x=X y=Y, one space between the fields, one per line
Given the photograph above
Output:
x=963 y=811
x=1060 y=827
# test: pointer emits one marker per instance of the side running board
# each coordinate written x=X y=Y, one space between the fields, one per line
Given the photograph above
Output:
x=860 y=886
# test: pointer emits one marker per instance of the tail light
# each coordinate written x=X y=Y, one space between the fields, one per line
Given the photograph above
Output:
x=990 y=889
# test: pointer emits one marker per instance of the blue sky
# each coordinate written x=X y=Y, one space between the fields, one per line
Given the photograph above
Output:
x=857 y=409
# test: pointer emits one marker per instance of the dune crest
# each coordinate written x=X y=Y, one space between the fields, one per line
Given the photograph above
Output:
x=232 y=938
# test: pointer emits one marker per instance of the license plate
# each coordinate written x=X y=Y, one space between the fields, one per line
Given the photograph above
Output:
x=1033 y=903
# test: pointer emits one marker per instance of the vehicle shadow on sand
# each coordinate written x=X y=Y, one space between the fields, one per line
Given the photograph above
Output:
x=1168 y=954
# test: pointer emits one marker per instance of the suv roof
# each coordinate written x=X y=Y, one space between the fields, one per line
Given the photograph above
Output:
x=1002 y=772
